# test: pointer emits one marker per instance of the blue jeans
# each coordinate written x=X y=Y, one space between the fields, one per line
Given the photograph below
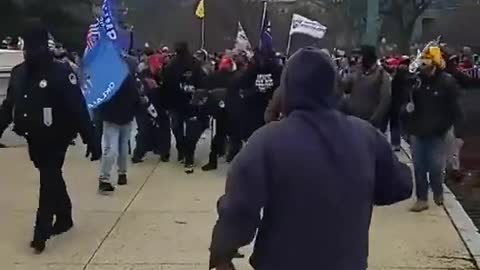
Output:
x=429 y=156
x=115 y=149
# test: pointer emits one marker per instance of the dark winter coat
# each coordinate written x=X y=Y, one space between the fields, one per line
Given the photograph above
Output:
x=122 y=107
x=436 y=106
x=182 y=77
x=370 y=96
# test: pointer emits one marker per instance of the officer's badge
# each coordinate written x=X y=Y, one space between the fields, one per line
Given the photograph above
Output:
x=410 y=107
x=43 y=83
x=221 y=104
x=72 y=78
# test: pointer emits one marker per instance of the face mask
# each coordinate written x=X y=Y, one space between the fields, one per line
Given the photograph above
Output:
x=34 y=58
x=367 y=64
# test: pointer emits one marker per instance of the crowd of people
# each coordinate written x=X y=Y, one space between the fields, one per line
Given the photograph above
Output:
x=181 y=91
x=306 y=138
x=236 y=92
x=9 y=43
x=423 y=95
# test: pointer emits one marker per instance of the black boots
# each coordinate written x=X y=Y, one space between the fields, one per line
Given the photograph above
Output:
x=62 y=225
x=165 y=158
x=105 y=187
x=210 y=166
x=212 y=163
x=38 y=245
x=136 y=160
x=122 y=179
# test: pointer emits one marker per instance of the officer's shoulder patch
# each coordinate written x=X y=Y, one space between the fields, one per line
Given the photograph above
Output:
x=73 y=78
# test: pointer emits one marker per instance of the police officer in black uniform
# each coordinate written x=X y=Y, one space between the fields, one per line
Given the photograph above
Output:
x=47 y=107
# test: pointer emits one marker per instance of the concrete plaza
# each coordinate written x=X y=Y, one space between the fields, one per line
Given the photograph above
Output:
x=163 y=220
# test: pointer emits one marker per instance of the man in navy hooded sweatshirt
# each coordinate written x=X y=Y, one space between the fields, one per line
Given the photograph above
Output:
x=316 y=174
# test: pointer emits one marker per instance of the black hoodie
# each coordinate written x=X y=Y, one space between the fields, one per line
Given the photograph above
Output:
x=182 y=77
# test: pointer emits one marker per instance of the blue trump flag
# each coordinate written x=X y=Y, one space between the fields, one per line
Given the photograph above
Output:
x=114 y=31
x=102 y=73
x=266 y=39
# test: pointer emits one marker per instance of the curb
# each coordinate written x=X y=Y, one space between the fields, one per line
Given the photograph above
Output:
x=463 y=224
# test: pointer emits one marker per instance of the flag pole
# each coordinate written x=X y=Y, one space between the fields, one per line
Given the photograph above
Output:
x=289 y=44
x=203 y=33
x=264 y=15
x=200 y=13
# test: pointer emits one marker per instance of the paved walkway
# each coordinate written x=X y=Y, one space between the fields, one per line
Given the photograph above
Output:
x=163 y=219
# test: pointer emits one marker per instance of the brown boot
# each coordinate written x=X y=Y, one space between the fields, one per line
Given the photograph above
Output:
x=419 y=206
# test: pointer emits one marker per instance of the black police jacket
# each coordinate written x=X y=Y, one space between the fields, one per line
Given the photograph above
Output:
x=46 y=104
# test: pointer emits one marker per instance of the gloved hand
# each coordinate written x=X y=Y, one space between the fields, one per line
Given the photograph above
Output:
x=93 y=151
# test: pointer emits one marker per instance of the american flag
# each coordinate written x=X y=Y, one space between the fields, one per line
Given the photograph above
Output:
x=93 y=35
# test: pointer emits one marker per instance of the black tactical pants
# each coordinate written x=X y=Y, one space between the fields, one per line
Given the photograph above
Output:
x=151 y=136
x=218 y=144
x=187 y=132
x=251 y=122
x=235 y=145
x=48 y=158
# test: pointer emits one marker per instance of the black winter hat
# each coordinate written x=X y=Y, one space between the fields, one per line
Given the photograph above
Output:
x=369 y=53
x=36 y=37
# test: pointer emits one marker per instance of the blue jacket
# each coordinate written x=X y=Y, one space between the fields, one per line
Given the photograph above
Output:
x=316 y=174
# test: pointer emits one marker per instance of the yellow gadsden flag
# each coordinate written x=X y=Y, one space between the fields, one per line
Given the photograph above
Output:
x=200 y=12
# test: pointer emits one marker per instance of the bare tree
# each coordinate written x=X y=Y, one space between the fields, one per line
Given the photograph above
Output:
x=348 y=21
x=403 y=14
x=66 y=19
